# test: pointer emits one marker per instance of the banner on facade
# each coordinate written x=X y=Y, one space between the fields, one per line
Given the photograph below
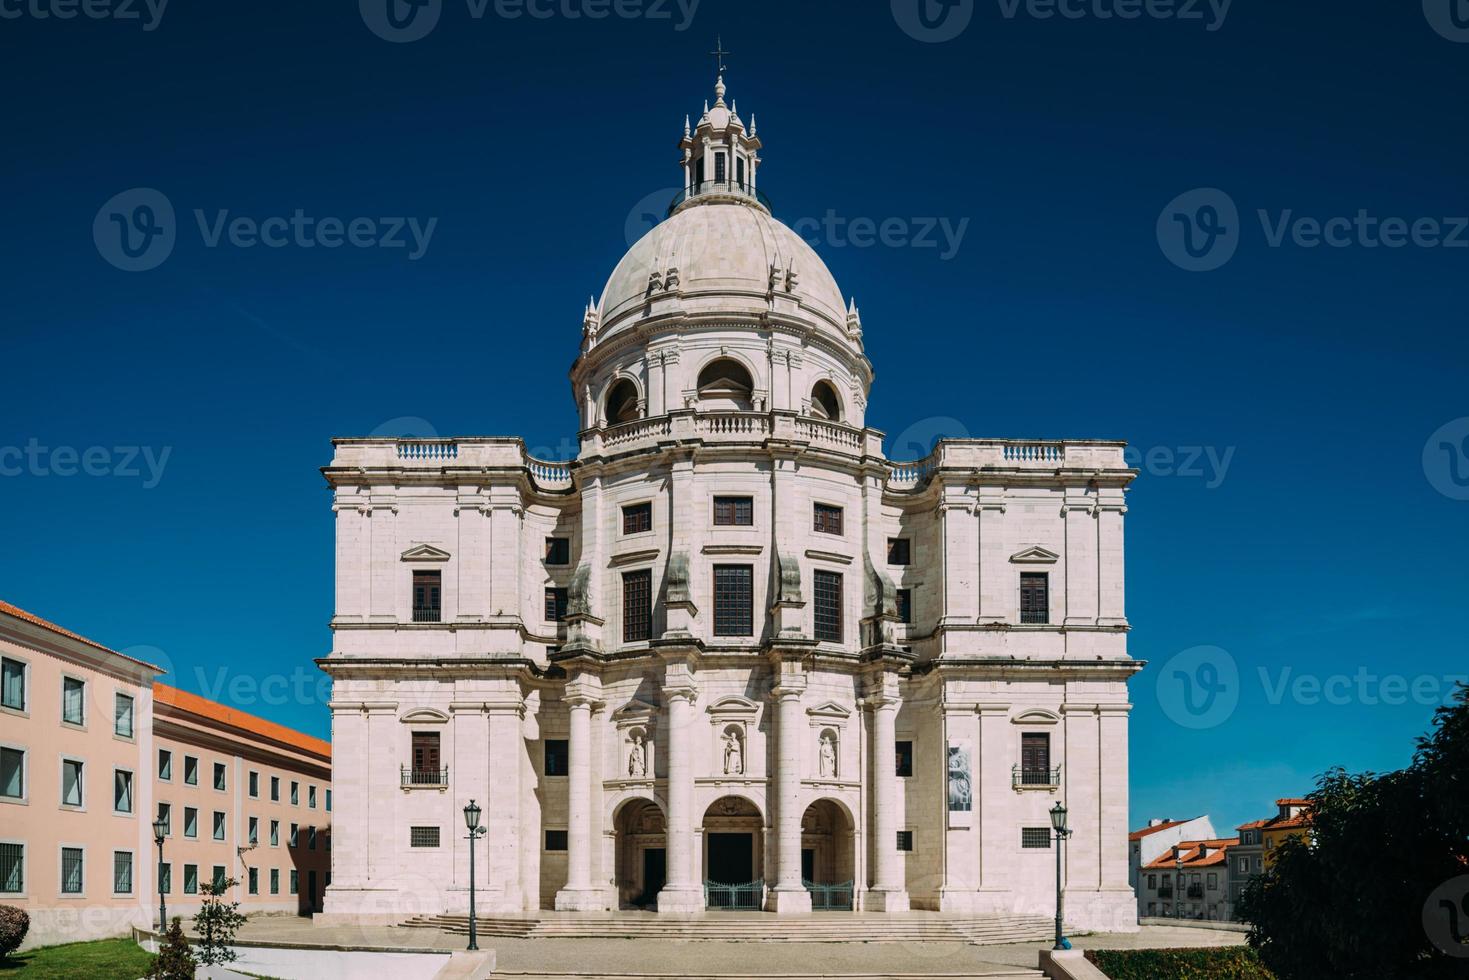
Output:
x=961 y=783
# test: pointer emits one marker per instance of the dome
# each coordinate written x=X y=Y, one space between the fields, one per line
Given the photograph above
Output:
x=725 y=250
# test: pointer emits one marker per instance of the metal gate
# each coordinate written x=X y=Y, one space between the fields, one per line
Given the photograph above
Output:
x=749 y=897
x=830 y=898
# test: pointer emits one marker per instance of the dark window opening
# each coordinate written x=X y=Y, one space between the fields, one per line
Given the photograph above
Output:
x=558 y=551
x=827 y=593
x=899 y=551
x=558 y=757
x=905 y=840
x=555 y=840
x=826 y=519
x=734 y=600
x=426 y=608
x=734 y=512
x=904 y=601
x=555 y=605
x=637 y=606
x=905 y=758
x=637 y=518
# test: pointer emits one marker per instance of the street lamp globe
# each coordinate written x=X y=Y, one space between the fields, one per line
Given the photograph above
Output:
x=471 y=816
x=1058 y=817
x=160 y=828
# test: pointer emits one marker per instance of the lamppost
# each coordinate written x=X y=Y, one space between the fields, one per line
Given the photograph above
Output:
x=160 y=827
x=1177 y=883
x=1058 y=824
x=471 y=820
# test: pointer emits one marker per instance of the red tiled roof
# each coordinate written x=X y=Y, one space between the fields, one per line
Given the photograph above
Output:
x=1165 y=825
x=1195 y=854
x=46 y=624
x=243 y=720
x=1292 y=801
x=1290 y=823
x=1253 y=824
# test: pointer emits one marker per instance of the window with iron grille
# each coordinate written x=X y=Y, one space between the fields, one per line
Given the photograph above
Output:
x=904 y=765
x=903 y=599
x=905 y=840
x=734 y=600
x=1035 y=597
x=558 y=551
x=12 y=868
x=899 y=552
x=827 y=595
x=1036 y=837
x=122 y=872
x=637 y=605
x=826 y=519
x=637 y=518
x=734 y=511
x=423 y=837
x=555 y=605
x=426 y=607
x=71 y=870
x=555 y=840
x=557 y=758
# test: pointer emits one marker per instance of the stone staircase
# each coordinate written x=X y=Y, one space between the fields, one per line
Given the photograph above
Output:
x=820 y=927
x=1013 y=973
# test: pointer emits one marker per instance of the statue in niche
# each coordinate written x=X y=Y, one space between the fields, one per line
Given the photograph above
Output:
x=828 y=756
x=637 y=758
x=734 y=758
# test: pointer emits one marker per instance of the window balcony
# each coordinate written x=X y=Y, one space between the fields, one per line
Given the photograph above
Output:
x=1195 y=891
x=427 y=614
x=1166 y=891
x=423 y=778
x=720 y=189
x=1022 y=777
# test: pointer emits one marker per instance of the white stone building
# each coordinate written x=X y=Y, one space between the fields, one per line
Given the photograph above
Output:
x=730 y=644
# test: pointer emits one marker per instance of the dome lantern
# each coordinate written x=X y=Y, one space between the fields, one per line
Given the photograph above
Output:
x=720 y=157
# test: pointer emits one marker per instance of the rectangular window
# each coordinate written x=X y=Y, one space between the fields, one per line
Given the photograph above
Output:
x=72 y=872
x=73 y=697
x=292 y=840
x=191 y=771
x=555 y=840
x=905 y=840
x=311 y=838
x=165 y=879
x=254 y=881
x=423 y=837
x=311 y=797
x=426 y=607
x=328 y=800
x=12 y=869
x=899 y=552
x=275 y=789
x=12 y=773
x=275 y=881
x=826 y=519
x=218 y=825
x=294 y=879
x=275 y=833
x=122 y=791
x=637 y=518
x=71 y=782
x=12 y=684
x=1035 y=837
x=425 y=758
x=165 y=813
x=1035 y=759
x=122 y=716
x=165 y=765
x=218 y=878
x=1213 y=881
x=191 y=821
x=254 y=784
x=905 y=758
x=827 y=601
x=1153 y=882
x=555 y=604
x=219 y=776
x=557 y=757
x=191 y=879
x=1035 y=597
x=254 y=827
x=122 y=872
x=558 y=551
x=295 y=793
x=637 y=605
x=734 y=511
x=903 y=600
x=734 y=600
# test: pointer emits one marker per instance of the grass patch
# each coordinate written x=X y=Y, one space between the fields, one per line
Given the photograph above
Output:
x=105 y=959
x=1214 y=963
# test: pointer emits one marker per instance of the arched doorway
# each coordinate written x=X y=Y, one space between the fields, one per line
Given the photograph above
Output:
x=828 y=855
x=642 y=855
x=734 y=847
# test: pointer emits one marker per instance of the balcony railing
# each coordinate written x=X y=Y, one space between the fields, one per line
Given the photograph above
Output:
x=736 y=188
x=431 y=778
x=1022 y=777
x=749 y=897
x=427 y=614
x=1195 y=891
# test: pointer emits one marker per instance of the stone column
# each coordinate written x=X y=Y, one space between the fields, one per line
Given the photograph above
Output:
x=889 y=886
x=579 y=895
x=506 y=714
x=683 y=892
x=789 y=896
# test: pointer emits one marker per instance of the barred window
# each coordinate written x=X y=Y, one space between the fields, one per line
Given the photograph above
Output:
x=71 y=871
x=826 y=519
x=1035 y=599
x=637 y=518
x=827 y=593
x=1036 y=837
x=555 y=605
x=904 y=601
x=734 y=511
x=555 y=840
x=637 y=605
x=122 y=872
x=899 y=552
x=905 y=840
x=734 y=600
x=558 y=551
x=423 y=836
x=12 y=868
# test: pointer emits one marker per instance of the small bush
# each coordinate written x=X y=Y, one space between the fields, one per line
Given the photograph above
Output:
x=217 y=923
x=14 y=924
x=1213 y=963
x=174 y=961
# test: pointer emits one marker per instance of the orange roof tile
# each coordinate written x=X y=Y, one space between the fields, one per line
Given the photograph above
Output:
x=1165 y=825
x=46 y=624
x=243 y=720
x=1253 y=824
x=1292 y=801
x=1195 y=854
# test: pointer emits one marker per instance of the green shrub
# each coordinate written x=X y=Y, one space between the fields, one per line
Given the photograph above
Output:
x=174 y=961
x=1212 y=963
x=14 y=924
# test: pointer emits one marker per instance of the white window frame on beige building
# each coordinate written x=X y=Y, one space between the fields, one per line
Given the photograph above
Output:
x=252 y=784
x=132 y=874
x=215 y=767
x=24 y=711
x=133 y=792
x=61 y=848
x=132 y=737
x=158 y=762
x=185 y=831
x=223 y=824
x=76 y=726
x=24 y=798
x=156 y=815
x=61 y=804
x=25 y=869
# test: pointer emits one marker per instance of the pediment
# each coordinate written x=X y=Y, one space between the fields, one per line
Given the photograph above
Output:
x=830 y=709
x=424 y=552
x=423 y=716
x=1035 y=555
x=1036 y=716
x=733 y=704
x=635 y=710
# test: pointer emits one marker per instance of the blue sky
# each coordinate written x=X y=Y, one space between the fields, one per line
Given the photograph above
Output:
x=1281 y=403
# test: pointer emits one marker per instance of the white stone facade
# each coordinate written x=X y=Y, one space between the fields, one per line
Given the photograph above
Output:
x=722 y=383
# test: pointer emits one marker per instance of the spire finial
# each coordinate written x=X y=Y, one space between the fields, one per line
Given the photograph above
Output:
x=719 y=91
x=719 y=53
x=686 y=125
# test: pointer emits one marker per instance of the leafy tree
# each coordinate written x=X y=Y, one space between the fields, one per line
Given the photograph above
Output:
x=14 y=924
x=217 y=923
x=174 y=961
x=1352 y=900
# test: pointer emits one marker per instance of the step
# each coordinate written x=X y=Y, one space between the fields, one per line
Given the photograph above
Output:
x=1001 y=973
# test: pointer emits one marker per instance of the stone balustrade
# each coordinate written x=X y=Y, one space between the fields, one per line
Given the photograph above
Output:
x=1008 y=454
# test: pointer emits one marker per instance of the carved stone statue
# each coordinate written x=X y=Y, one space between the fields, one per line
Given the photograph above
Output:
x=828 y=757
x=637 y=758
x=734 y=759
